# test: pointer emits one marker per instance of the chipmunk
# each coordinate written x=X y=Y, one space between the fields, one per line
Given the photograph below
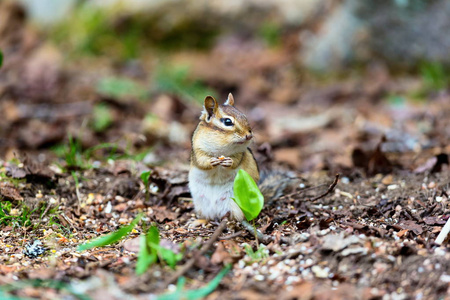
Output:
x=219 y=149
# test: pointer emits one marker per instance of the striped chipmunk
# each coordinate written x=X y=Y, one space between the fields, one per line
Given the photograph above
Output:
x=220 y=147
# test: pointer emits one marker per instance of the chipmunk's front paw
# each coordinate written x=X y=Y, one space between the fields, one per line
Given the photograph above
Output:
x=215 y=161
x=226 y=162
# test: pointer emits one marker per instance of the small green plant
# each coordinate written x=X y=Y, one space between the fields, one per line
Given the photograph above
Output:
x=119 y=88
x=150 y=250
x=77 y=158
x=145 y=176
x=73 y=154
x=6 y=290
x=260 y=254
x=13 y=181
x=112 y=237
x=270 y=32
x=102 y=117
x=16 y=217
x=181 y=293
x=176 y=80
x=247 y=195
x=434 y=76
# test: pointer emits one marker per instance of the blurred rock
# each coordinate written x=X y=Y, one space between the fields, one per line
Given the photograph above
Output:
x=47 y=12
x=402 y=33
x=407 y=32
x=333 y=44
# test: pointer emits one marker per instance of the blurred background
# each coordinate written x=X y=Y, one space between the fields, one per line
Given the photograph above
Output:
x=329 y=84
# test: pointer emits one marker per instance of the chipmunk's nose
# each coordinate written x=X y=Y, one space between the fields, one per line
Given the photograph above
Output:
x=249 y=136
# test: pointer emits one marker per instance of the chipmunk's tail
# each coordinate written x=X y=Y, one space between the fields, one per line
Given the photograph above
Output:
x=275 y=183
x=276 y=180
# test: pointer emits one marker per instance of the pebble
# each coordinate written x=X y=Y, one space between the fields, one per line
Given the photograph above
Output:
x=445 y=278
x=392 y=187
x=108 y=208
x=320 y=272
x=292 y=279
x=259 y=277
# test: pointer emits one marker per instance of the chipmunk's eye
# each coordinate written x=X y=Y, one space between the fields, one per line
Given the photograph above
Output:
x=227 y=121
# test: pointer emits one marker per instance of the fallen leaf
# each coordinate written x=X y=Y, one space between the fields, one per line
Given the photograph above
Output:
x=434 y=164
x=221 y=256
x=411 y=225
x=9 y=192
x=132 y=245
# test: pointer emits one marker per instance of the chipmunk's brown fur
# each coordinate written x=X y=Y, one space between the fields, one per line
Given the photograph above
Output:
x=219 y=149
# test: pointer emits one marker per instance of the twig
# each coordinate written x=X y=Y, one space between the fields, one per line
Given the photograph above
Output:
x=302 y=191
x=183 y=269
x=330 y=189
x=443 y=234
x=264 y=238
x=229 y=237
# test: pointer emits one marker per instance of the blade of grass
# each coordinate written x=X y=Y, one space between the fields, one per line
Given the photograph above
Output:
x=112 y=237
x=195 y=294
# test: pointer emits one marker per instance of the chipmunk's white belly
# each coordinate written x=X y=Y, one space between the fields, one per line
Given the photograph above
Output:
x=212 y=192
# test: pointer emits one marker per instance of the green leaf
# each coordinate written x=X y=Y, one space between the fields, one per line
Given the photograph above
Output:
x=102 y=117
x=119 y=88
x=1 y=59
x=153 y=236
x=144 y=177
x=112 y=237
x=146 y=257
x=195 y=294
x=170 y=257
x=176 y=79
x=247 y=195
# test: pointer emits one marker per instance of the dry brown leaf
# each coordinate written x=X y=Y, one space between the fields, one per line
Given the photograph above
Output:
x=9 y=192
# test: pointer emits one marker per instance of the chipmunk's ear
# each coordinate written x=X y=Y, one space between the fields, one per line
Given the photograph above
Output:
x=230 y=100
x=210 y=107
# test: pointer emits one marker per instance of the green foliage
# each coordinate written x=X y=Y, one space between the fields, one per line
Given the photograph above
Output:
x=6 y=289
x=434 y=76
x=247 y=195
x=180 y=293
x=176 y=80
x=16 y=216
x=102 y=117
x=396 y=100
x=260 y=254
x=112 y=237
x=145 y=179
x=100 y=31
x=77 y=158
x=14 y=181
x=270 y=32
x=150 y=250
x=147 y=254
x=120 y=88
x=73 y=154
x=1 y=58
x=90 y=31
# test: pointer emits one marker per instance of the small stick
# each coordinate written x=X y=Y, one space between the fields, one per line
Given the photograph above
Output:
x=264 y=238
x=229 y=237
x=330 y=189
x=302 y=191
x=183 y=269
x=443 y=234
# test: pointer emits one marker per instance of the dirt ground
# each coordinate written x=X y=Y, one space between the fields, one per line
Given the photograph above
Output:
x=72 y=152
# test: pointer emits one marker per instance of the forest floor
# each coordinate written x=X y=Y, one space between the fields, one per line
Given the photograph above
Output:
x=76 y=135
